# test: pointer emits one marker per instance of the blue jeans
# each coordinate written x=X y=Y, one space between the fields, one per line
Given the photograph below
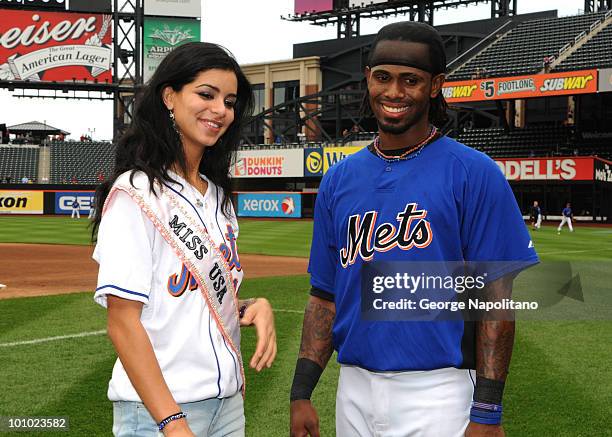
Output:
x=208 y=418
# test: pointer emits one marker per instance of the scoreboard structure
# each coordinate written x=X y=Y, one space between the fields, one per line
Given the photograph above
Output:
x=90 y=49
x=346 y=14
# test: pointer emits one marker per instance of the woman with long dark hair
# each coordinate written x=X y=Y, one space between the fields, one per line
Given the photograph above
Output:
x=166 y=244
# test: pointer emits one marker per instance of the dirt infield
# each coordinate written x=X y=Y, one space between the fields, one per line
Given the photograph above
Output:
x=44 y=269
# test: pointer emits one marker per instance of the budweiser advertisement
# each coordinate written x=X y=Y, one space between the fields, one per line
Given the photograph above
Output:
x=55 y=46
x=522 y=87
x=547 y=169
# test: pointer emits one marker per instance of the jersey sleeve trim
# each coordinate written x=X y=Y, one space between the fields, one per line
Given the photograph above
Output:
x=322 y=294
x=513 y=268
x=104 y=290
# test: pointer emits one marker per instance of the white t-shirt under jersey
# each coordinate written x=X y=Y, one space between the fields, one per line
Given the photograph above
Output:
x=136 y=263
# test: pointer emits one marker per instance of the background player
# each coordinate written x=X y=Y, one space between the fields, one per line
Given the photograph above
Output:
x=413 y=195
x=536 y=216
x=173 y=314
x=566 y=217
x=75 y=209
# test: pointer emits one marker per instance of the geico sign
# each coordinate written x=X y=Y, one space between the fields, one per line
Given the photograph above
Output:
x=538 y=169
x=65 y=202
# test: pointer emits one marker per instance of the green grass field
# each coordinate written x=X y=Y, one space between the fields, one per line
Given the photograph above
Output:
x=560 y=382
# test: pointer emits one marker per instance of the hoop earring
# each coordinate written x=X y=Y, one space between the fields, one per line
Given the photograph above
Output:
x=173 y=120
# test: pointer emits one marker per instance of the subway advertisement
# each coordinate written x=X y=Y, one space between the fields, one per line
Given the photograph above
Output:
x=65 y=199
x=279 y=205
x=21 y=202
x=521 y=87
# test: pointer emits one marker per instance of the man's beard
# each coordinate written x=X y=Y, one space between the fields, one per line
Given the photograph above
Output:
x=395 y=129
x=400 y=126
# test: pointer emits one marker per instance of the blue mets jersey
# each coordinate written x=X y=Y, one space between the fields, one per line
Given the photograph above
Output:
x=450 y=203
x=567 y=212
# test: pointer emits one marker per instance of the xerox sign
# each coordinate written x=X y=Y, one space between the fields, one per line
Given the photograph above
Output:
x=283 y=205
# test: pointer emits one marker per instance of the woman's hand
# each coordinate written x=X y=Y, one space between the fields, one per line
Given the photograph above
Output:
x=259 y=313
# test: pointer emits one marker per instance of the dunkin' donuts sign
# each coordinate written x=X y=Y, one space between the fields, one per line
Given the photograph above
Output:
x=55 y=46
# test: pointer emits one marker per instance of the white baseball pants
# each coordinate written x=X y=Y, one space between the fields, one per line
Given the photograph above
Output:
x=565 y=220
x=433 y=403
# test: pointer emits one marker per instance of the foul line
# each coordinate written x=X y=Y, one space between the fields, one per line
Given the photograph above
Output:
x=93 y=333
x=575 y=251
x=289 y=311
x=47 y=339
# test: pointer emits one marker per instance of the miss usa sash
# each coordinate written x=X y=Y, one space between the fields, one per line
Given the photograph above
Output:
x=178 y=223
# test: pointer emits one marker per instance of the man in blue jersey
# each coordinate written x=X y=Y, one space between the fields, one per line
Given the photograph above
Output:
x=566 y=217
x=413 y=195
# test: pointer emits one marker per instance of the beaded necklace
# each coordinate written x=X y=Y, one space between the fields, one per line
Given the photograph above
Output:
x=408 y=154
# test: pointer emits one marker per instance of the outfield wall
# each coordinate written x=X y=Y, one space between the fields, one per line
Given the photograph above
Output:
x=26 y=199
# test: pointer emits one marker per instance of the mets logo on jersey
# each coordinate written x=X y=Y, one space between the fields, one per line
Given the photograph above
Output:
x=364 y=237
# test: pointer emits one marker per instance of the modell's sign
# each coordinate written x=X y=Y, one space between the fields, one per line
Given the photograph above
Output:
x=522 y=87
x=36 y=4
x=547 y=169
x=55 y=46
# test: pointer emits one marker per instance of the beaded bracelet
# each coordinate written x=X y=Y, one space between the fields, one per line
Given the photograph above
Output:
x=161 y=425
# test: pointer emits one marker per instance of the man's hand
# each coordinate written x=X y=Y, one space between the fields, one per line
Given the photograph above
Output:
x=304 y=419
x=261 y=316
x=479 y=430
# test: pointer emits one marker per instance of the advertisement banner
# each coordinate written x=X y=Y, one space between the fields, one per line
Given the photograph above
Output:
x=173 y=8
x=55 y=46
x=34 y=4
x=605 y=80
x=64 y=199
x=303 y=6
x=313 y=161
x=21 y=202
x=269 y=164
x=161 y=35
x=90 y=6
x=521 y=87
x=332 y=155
x=282 y=205
x=547 y=169
x=361 y=3
x=603 y=171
